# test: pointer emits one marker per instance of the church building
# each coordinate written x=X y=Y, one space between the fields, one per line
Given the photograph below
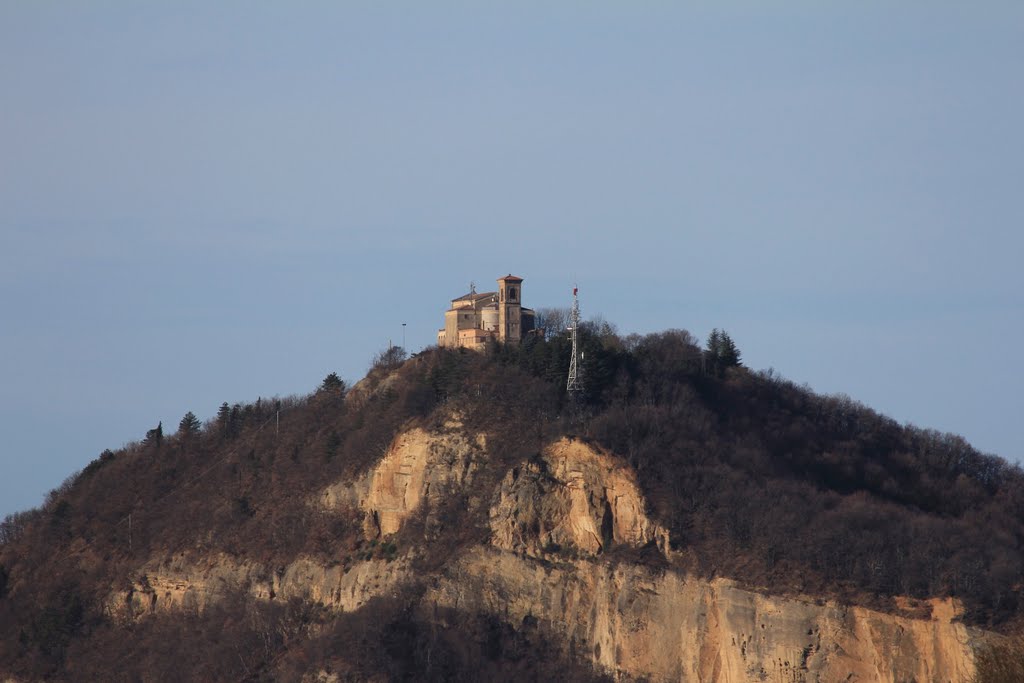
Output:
x=478 y=318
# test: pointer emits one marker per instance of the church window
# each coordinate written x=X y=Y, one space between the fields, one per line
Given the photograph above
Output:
x=512 y=294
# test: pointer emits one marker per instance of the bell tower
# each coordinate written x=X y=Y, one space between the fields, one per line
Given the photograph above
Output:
x=510 y=308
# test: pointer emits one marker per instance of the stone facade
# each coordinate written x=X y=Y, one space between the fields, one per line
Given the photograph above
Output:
x=478 y=318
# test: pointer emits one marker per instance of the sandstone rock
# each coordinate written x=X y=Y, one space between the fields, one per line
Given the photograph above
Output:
x=663 y=626
x=184 y=584
x=418 y=466
x=573 y=496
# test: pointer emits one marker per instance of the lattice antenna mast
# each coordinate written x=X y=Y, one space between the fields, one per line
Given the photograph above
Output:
x=575 y=384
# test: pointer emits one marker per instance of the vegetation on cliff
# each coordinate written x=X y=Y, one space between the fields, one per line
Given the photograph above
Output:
x=754 y=478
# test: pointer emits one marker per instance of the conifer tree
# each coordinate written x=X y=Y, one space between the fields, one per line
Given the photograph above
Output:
x=189 y=425
x=728 y=354
x=235 y=420
x=721 y=352
x=333 y=384
x=711 y=350
x=155 y=437
x=228 y=420
x=223 y=416
x=714 y=343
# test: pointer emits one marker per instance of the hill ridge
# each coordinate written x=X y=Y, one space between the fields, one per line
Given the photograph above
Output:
x=738 y=474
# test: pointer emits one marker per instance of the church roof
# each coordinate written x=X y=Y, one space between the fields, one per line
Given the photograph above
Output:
x=510 y=278
x=475 y=296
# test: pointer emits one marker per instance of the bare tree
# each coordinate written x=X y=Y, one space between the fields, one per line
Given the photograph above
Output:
x=389 y=358
x=554 y=321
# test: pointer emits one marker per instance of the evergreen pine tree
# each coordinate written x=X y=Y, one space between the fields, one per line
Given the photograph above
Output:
x=155 y=437
x=333 y=384
x=712 y=350
x=728 y=355
x=714 y=346
x=721 y=352
x=223 y=416
x=235 y=420
x=189 y=425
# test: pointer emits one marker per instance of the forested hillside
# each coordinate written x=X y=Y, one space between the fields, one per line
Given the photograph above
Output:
x=754 y=479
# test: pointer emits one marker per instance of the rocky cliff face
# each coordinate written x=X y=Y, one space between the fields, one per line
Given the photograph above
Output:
x=192 y=585
x=573 y=496
x=552 y=520
x=417 y=465
x=665 y=626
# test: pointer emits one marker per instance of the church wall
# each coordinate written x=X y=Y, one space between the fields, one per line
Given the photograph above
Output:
x=489 y=319
x=467 y=319
x=451 y=328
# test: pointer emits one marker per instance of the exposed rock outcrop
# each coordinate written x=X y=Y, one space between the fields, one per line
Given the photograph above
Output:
x=630 y=621
x=574 y=496
x=418 y=465
x=184 y=584
x=633 y=622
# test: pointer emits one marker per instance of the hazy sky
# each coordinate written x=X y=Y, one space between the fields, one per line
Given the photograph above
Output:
x=206 y=202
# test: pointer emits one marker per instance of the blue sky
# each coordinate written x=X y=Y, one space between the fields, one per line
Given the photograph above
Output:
x=207 y=202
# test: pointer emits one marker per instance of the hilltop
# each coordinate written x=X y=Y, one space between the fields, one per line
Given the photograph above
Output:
x=455 y=515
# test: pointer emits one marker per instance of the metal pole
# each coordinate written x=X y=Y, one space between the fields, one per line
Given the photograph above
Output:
x=403 y=336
